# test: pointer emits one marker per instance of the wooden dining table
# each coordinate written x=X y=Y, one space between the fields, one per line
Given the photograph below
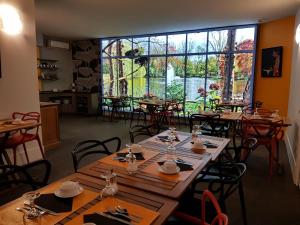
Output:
x=148 y=178
x=8 y=126
x=146 y=205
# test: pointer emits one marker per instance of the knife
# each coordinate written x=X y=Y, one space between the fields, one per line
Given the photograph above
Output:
x=113 y=218
x=46 y=210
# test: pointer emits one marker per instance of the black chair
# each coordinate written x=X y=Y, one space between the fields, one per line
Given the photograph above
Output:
x=140 y=130
x=139 y=110
x=16 y=180
x=223 y=179
x=210 y=124
x=89 y=147
x=243 y=152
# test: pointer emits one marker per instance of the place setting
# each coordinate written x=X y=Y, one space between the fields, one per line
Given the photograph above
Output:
x=110 y=209
x=37 y=205
x=122 y=158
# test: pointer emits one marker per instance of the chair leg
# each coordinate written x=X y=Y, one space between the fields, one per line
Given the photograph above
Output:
x=15 y=155
x=242 y=200
x=40 y=145
x=25 y=150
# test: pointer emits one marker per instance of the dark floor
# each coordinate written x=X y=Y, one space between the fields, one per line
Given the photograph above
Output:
x=273 y=201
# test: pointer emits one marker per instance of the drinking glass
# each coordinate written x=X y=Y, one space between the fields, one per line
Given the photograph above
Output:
x=111 y=187
x=29 y=200
x=196 y=131
x=171 y=138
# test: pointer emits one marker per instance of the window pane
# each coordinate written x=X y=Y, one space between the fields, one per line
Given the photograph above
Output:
x=175 y=78
x=176 y=43
x=109 y=48
x=197 y=42
x=110 y=77
x=195 y=66
x=139 y=79
x=218 y=41
x=141 y=44
x=158 y=45
x=216 y=84
x=241 y=75
x=157 y=71
x=244 y=39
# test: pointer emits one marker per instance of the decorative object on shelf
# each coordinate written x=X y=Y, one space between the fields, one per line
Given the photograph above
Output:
x=271 y=62
x=48 y=69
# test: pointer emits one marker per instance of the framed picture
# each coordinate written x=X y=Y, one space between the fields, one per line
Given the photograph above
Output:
x=271 y=65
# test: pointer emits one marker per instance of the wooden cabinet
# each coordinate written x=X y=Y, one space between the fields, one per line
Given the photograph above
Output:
x=50 y=125
x=73 y=102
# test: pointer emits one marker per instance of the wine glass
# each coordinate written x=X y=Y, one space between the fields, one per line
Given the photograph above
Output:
x=111 y=187
x=29 y=200
x=196 y=131
x=171 y=138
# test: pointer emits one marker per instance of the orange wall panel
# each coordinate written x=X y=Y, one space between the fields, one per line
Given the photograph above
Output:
x=274 y=92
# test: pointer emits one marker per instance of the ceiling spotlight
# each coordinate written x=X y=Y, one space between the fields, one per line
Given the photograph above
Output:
x=10 y=20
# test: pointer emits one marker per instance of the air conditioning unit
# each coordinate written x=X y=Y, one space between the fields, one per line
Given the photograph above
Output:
x=58 y=44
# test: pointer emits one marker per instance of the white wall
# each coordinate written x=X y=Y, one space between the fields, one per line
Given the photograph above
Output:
x=293 y=133
x=19 y=83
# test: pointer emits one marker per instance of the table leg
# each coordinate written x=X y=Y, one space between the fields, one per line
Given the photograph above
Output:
x=3 y=153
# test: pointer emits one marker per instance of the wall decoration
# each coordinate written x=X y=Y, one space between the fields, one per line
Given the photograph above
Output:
x=86 y=65
x=271 y=62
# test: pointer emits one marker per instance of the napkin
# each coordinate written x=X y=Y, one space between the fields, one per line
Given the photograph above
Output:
x=53 y=203
x=138 y=156
x=101 y=220
x=166 y=138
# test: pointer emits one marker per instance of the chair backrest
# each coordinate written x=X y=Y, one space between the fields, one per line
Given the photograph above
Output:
x=89 y=147
x=220 y=219
x=140 y=130
x=261 y=129
x=30 y=116
x=33 y=175
x=203 y=119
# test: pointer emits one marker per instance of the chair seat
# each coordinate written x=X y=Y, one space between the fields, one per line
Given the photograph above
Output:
x=19 y=139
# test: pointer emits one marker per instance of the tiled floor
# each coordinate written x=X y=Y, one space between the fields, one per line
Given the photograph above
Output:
x=269 y=202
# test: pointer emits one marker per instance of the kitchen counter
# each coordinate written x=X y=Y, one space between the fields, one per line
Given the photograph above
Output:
x=50 y=125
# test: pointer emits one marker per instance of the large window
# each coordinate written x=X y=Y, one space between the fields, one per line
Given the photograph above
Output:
x=190 y=67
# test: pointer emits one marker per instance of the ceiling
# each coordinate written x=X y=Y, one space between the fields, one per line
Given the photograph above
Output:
x=78 y=19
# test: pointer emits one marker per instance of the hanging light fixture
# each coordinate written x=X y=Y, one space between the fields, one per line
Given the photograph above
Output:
x=10 y=20
x=297 y=35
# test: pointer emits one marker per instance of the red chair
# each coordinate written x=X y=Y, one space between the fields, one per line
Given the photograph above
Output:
x=219 y=219
x=268 y=133
x=25 y=135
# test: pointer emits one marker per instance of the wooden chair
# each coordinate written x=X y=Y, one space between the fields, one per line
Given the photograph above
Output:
x=16 y=180
x=25 y=135
x=91 y=147
x=267 y=133
x=201 y=206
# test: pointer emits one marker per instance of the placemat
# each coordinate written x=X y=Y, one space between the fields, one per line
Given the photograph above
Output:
x=53 y=203
x=147 y=215
x=147 y=154
x=181 y=176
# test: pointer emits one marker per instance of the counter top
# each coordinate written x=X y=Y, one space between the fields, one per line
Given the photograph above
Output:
x=45 y=104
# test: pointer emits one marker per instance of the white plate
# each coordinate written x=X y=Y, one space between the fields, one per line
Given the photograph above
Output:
x=160 y=169
x=60 y=195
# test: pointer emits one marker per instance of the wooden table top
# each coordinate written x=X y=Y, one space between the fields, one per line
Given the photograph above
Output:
x=84 y=202
x=4 y=128
x=234 y=104
x=286 y=121
x=148 y=178
x=184 y=146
